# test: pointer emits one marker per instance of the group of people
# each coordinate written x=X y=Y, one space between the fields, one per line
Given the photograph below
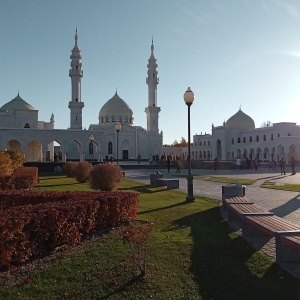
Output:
x=253 y=164
x=282 y=163
x=154 y=159
x=178 y=164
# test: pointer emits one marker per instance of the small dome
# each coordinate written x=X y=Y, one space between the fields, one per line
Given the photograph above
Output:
x=17 y=104
x=240 y=121
x=115 y=110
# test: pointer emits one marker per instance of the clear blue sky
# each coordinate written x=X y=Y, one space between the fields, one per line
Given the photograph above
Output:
x=231 y=53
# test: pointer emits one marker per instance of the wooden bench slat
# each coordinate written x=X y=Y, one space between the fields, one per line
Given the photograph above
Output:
x=270 y=224
x=241 y=208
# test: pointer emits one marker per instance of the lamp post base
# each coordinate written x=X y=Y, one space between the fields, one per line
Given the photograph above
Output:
x=190 y=197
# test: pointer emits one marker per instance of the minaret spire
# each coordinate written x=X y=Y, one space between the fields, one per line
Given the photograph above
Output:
x=76 y=74
x=152 y=80
x=76 y=38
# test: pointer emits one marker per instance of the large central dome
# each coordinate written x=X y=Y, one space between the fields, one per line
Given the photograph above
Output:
x=115 y=110
x=240 y=121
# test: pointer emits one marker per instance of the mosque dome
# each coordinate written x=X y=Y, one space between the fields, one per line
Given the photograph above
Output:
x=240 y=121
x=115 y=110
x=16 y=104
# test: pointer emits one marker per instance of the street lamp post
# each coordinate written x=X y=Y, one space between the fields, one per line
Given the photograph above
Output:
x=91 y=147
x=118 y=127
x=189 y=98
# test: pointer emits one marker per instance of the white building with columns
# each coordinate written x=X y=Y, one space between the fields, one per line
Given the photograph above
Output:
x=238 y=138
x=21 y=130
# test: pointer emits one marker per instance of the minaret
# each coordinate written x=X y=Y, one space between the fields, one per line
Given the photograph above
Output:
x=152 y=80
x=76 y=74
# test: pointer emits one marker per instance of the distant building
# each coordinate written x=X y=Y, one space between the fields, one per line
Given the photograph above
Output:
x=238 y=138
x=21 y=130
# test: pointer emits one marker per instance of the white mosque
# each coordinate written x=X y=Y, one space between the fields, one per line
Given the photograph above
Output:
x=21 y=130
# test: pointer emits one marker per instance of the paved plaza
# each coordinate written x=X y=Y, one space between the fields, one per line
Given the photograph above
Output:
x=282 y=203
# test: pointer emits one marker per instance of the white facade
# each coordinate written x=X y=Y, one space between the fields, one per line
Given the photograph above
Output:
x=238 y=138
x=21 y=130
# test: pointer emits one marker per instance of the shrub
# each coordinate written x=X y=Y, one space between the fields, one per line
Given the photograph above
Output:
x=6 y=165
x=105 y=177
x=69 y=168
x=17 y=158
x=82 y=171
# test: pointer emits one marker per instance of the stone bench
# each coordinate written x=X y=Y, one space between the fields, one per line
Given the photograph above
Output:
x=154 y=177
x=287 y=246
x=169 y=183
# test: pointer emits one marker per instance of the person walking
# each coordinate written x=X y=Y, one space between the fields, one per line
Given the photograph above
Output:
x=178 y=164
x=282 y=165
x=216 y=162
x=168 y=163
x=293 y=165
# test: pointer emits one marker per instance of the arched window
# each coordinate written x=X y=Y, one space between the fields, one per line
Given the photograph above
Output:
x=110 y=148
x=106 y=118
x=278 y=134
x=232 y=141
x=250 y=139
x=204 y=143
x=244 y=140
x=257 y=138
x=200 y=143
x=120 y=119
x=239 y=140
x=208 y=143
x=113 y=118
x=272 y=137
x=26 y=125
x=195 y=144
x=265 y=138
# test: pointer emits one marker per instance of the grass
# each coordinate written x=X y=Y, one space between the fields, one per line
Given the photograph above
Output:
x=282 y=187
x=193 y=255
x=225 y=179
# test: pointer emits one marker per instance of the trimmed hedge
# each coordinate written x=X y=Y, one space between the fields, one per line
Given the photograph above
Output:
x=22 y=178
x=35 y=230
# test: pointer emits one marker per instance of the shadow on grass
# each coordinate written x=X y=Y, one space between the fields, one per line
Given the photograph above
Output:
x=163 y=208
x=226 y=267
x=57 y=185
x=146 y=189
x=122 y=288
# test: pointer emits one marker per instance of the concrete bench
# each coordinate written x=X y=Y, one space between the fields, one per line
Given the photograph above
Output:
x=287 y=235
x=154 y=177
x=170 y=183
x=233 y=191
x=265 y=224
x=236 y=211
x=287 y=246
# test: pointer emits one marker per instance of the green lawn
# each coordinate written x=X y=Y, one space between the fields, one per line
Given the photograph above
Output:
x=193 y=255
x=225 y=179
x=282 y=187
